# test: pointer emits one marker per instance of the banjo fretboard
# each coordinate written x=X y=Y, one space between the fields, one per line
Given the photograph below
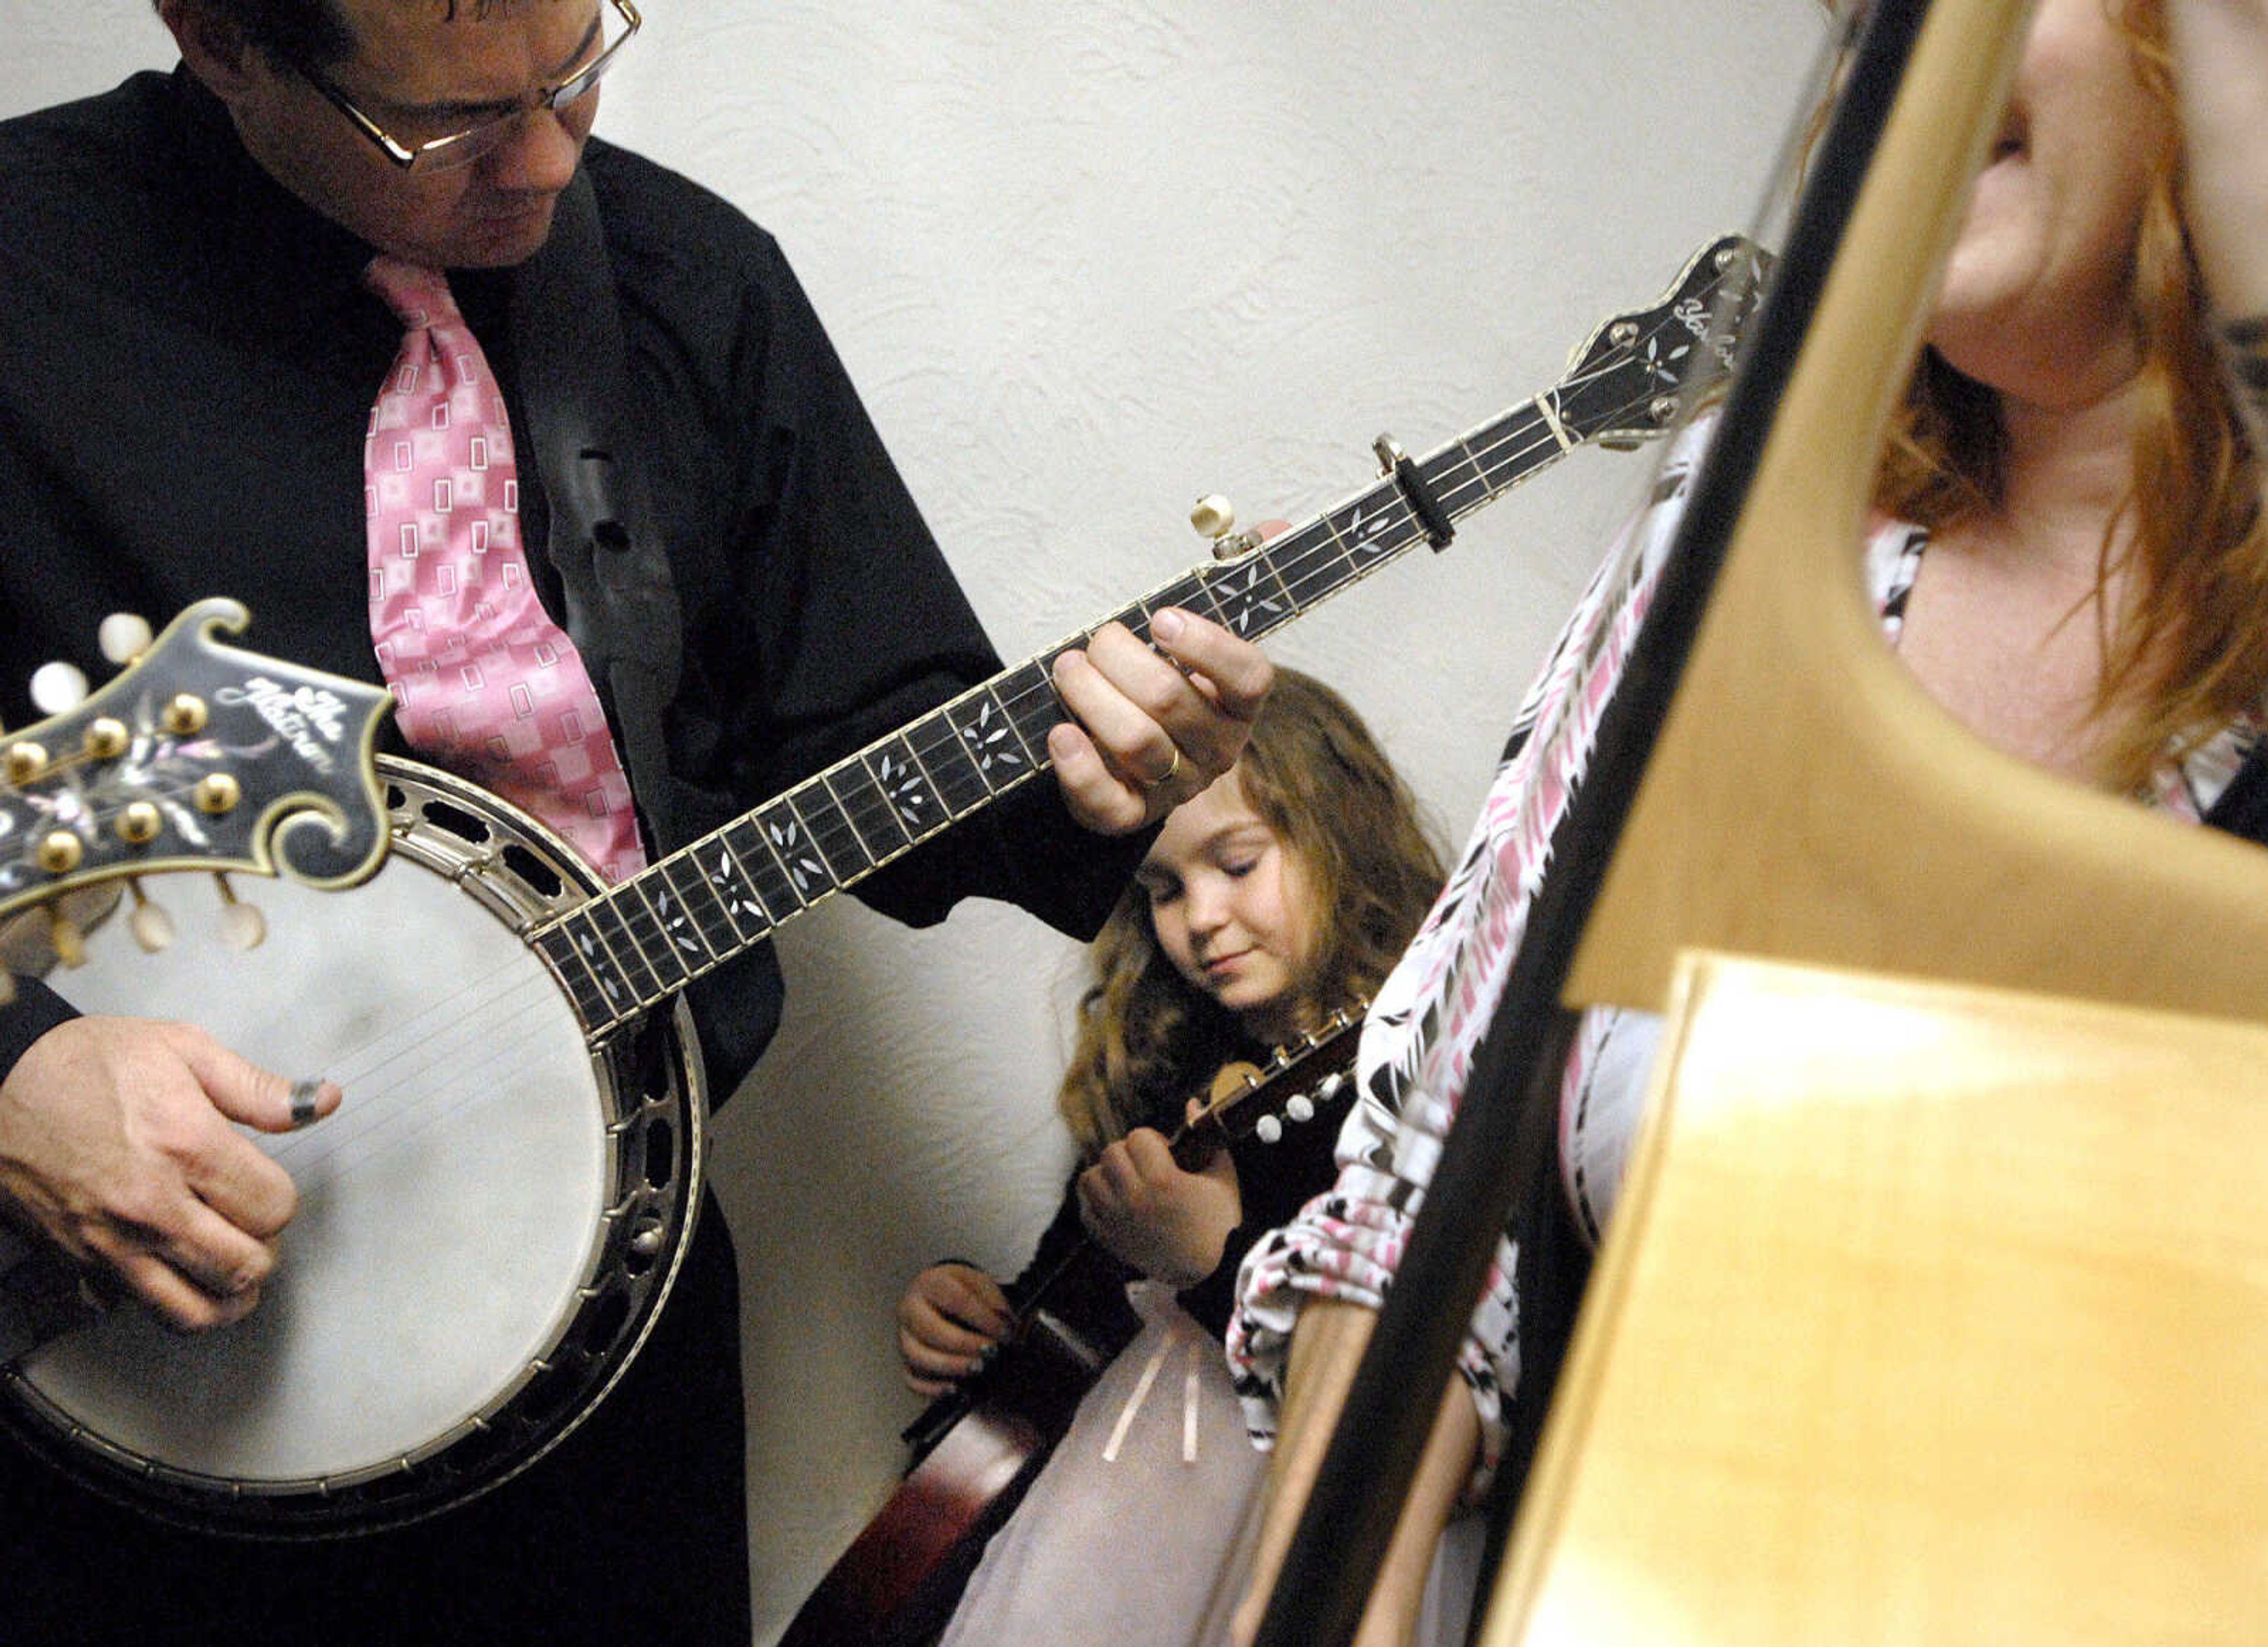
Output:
x=638 y=944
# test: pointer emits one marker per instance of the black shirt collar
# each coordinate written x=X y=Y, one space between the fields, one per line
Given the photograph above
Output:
x=297 y=268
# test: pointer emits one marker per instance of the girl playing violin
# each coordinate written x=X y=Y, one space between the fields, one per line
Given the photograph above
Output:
x=1276 y=898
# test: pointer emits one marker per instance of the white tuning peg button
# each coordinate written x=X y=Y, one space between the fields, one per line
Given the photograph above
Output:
x=1299 y=1108
x=64 y=937
x=242 y=926
x=1269 y=1129
x=58 y=688
x=123 y=637
x=151 y=926
x=1213 y=516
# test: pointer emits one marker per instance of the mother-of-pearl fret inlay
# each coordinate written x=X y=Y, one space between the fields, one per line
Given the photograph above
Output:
x=603 y=967
x=652 y=944
x=873 y=819
x=703 y=913
x=720 y=869
x=761 y=865
x=676 y=923
x=1250 y=598
x=992 y=741
x=783 y=833
x=632 y=945
x=907 y=788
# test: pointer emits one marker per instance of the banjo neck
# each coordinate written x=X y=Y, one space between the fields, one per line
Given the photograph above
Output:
x=636 y=945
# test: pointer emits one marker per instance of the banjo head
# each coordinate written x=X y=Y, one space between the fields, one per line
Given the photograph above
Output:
x=487 y=1227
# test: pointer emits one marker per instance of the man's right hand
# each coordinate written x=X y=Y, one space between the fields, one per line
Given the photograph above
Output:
x=950 y=1319
x=116 y=1142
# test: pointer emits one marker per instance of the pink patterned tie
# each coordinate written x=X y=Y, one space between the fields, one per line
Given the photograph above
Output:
x=487 y=684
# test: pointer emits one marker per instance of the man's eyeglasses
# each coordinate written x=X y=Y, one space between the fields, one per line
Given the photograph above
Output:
x=462 y=148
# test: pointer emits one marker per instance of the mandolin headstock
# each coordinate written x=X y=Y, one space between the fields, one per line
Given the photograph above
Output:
x=1303 y=1081
x=198 y=756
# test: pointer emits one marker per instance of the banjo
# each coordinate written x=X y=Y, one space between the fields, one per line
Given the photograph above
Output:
x=489 y=1226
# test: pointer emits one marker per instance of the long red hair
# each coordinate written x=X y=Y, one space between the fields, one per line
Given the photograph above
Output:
x=2183 y=653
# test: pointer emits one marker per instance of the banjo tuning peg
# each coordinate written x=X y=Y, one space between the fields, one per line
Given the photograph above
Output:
x=242 y=926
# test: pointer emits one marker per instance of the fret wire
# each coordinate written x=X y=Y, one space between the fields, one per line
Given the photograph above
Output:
x=1331 y=543
x=827 y=828
x=1462 y=457
x=1034 y=713
x=1335 y=558
x=1452 y=472
x=640 y=893
x=765 y=872
x=937 y=749
x=783 y=830
x=1464 y=447
x=1204 y=603
x=1366 y=538
x=593 y=948
x=730 y=884
x=575 y=975
x=872 y=817
x=906 y=787
x=1184 y=592
x=1246 y=592
x=1510 y=467
x=637 y=968
x=698 y=899
x=988 y=734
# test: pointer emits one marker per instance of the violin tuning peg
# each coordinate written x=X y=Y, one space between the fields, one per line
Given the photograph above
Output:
x=242 y=926
x=151 y=926
x=123 y=637
x=58 y=688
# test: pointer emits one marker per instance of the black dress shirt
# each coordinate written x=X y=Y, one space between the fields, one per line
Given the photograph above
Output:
x=187 y=364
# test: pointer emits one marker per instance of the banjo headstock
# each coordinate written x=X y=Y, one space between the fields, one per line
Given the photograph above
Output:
x=199 y=756
x=1628 y=381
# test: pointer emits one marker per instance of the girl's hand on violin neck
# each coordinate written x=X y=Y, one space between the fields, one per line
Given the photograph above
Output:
x=1170 y=1225
x=949 y=1322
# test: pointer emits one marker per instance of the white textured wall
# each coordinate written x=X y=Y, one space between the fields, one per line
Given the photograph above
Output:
x=1087 y=261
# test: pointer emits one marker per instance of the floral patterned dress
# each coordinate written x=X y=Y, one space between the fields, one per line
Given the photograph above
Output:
x=1418 y=1043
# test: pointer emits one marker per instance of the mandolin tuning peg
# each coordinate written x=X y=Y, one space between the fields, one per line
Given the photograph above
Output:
x=58 y=688
x=1299 y=1108
x=123 y=637
x=242 y=926
x=1268 y=1129
x=151 y=926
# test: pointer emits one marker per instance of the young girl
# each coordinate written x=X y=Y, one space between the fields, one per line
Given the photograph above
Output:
x=1277 y=897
